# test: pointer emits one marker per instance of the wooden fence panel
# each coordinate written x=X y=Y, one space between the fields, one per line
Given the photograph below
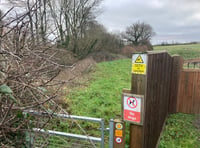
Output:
x=189 y=92
x=196 y=107
x=157 y=96
x=177 y=66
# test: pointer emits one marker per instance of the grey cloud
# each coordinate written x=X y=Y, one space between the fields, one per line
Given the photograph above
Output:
x=166 y=16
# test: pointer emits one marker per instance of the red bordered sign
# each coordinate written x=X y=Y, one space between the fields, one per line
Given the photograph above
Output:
x=118 y=140
x=132 y=102
x=133 y=108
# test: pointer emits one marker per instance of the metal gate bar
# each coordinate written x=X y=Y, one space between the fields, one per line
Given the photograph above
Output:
x=98 y=120
x=95 y=139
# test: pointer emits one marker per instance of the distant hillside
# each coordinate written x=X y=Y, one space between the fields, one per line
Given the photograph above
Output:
x=187 y=51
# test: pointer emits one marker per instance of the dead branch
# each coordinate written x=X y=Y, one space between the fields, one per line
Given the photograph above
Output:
x=26 y=71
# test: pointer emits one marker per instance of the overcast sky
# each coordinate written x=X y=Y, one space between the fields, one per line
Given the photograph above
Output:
x=172 y=20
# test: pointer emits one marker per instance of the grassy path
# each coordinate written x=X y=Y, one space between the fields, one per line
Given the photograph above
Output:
x=102 y=97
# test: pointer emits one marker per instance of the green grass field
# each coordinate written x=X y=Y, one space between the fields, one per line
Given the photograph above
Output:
x=186 y=51
x=101 y=97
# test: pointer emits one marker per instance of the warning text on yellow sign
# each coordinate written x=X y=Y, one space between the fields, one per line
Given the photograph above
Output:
x=139 y=69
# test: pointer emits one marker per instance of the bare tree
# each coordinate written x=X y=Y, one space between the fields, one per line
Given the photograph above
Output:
x=66 y=20
x=71 y=19
x=37 y=19
x=139 y=33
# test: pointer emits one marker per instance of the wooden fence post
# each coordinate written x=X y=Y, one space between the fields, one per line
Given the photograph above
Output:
x=119 y=134
x=138 y=84
x=136 y=131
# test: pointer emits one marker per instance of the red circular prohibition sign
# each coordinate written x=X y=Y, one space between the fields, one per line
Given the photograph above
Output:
x=118 y=140
x=132 y=102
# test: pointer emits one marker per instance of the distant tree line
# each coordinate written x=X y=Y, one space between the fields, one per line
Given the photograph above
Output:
x=70 y=24
x=176 y=43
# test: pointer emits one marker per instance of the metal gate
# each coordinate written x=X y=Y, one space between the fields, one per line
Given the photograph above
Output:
x=52 y=137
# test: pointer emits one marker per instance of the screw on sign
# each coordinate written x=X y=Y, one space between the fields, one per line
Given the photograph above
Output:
x=132 y=102
x=118 y=140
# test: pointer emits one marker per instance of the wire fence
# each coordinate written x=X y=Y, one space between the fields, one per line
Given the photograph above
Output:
x=192 y=63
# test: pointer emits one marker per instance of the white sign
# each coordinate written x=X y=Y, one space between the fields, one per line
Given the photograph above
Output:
x=118 y=140
x=132 y=108
x=132 y=103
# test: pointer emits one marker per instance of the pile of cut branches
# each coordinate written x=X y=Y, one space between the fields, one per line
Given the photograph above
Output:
x=26 y=71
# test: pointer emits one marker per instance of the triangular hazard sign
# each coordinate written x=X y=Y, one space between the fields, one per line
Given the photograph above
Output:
x=139 y=59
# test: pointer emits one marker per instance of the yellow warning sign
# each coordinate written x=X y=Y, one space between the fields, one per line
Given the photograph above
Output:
x=139 y=68
x=139 y=59
x=139 y=64
x=118 y=133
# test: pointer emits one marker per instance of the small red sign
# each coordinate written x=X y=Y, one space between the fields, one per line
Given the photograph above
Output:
x=132 y=116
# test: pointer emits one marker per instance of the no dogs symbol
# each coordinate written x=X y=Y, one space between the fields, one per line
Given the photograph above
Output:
x=118 y=140
x=132 y=102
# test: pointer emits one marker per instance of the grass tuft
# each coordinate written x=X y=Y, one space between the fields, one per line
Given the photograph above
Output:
x=180 y=132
